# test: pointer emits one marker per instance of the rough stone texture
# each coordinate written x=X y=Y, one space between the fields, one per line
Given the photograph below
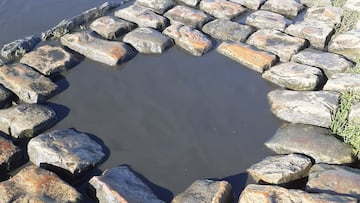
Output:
x=295 y=76
x=252 y=4
x=306 y=107
x=268 y=193
x=281 y=168
x=120 y=185
x=222 y=8
x=111 y=27
x=148 y=40
x=192 y=3
x=352 y=5
x=354 y=114
x=268 y=20
x=289 y=8
x=29 y=85
x=347 y=44
x=33 y=184
x=158 y=6
x=108 y=52
x=247 y=55
x=328 y=14
x=49 y=59
x=189 y=39
x=69 y=25
x=357 y=26
x=5 y=97
x=318 y=33
x=67 y=149
x=26 y=120
x=312 y=3
x=277 y=43
x=184 y=15
x=142 y=17
x=206 y=191
x=342 y=82
x=16 y=49
x=313 y=141
x=10 y=155
x=227 y=30
x=332 y=179
x=330 y=63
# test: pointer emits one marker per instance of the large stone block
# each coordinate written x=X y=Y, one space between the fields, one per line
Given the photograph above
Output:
x=158 y=6
x=222 y=8
x=342 y=82
x=16 y=49
x=10 y=155
x=5 y=97
x=252 y=4
x=268 y=20
x=192 y=3
x=328 y=14
x=317 y=3
x=289 y=8
x=111 y=27
x=347 y=44
x=184 y=15
x=352 y=5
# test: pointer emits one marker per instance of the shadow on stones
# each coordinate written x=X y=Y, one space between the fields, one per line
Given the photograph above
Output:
x=61 y=112
x=238 y=183
x=62 y=83
x=15 y=161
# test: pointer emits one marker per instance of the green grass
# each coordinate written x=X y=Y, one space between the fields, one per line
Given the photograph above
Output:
x=349 y=19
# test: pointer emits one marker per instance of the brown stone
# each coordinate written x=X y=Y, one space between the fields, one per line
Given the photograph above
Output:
x=346 y=44
x=184 y=15
x=10 y=155
x=222 y=8
x=111 y=27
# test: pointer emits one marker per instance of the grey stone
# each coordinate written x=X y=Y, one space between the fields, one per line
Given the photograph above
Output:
x=357 y=26
x=206 y=191
x=343 y=82
x=190 y=39
x=268 y=193
x=29 y=85
x=330 y=63
x=67 y=149
x=227 y=30
x=347 y=44
x=312 y=141
x=192 y=3
x=111 y=27
x=222 y=8
x=142 y=17
x=281 y=168
x=33 y=184
x=184 y=15
x=49 y=59
x=148 y=40
x=120 y=185
x=317 y=32
x=295 y=76
x=352 y=5
x=5 y=97
x=158 y=6
x=252 y=4
x=16 y=49
x=333 y=179
x=317 y=3
x=69 y=25
x=289 y=8
x=10 y=155
x=247 y=55
x=108 y=52
x=328 y=14
x=267 y=20
x=26 y=120
x=276 y=42
x=306 y=107
x=354 y=114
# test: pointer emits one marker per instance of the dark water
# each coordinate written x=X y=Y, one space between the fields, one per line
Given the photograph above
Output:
x=174 y=118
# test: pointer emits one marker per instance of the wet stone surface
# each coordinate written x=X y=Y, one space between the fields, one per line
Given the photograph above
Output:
x=330 y=63
x=276 y=42
x=289 y=8
x=295 y=76
x=268 y=20
x=121 y=184
x=147 y=40
x=16 y=49
x=67 y=149
x=184 y=15
x=190 y=39
x=329 y=14
x=29 y=85
x=227 y=30
x=111 y=27
x=26 y=120
x=341 y=180
x=206 y=191
x=10 y=155
x=314 y=108
x=347 y=44
x=158 y=6
x=247 y=55
x=267 y=193
x=222 y=8
x=142 y=17
x=49 y=59
x=33 y=184
x=281 y=168
x=306 y=139
x=108 y=52
x=252 y=4
x=343 y=82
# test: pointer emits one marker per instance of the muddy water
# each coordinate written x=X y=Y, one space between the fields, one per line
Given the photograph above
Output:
x=173 y=118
